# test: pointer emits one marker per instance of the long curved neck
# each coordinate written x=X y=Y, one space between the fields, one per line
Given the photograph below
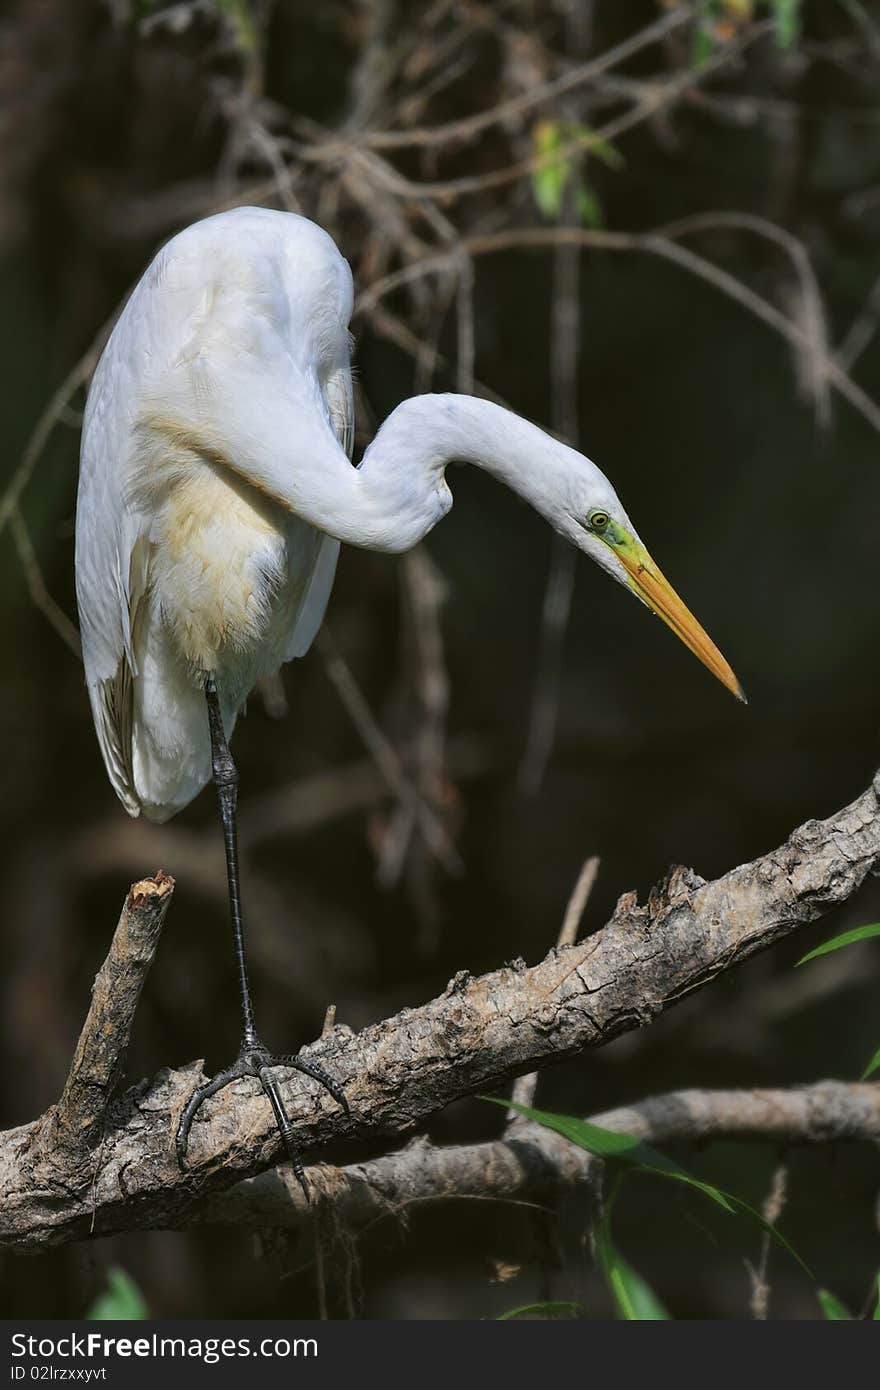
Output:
x=401 y=491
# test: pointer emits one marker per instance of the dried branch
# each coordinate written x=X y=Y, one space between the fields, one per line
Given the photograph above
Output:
x=454 y=132
x=524 y=1087
x=656 y=243
x=861 y=331
x=385 y=755
x=299 y=807
x=473 y=1037
x=815 y=352
x=577 y=903
x=656 y=99
x=55 y=408
x=97 y=1064
x=40 y=596
x=536 y=1163
x=771 y=1210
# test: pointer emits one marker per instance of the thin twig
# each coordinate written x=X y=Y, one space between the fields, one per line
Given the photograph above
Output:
x=524 y=1087
x=383 y=752
x=332 y=149
x=656 y=243
x=815 y=353
x=53 y=412
x=771 y=1210
x=469 y=126
x=425 y=592
x=40 y=596
x=861 y=331
x=577 y=903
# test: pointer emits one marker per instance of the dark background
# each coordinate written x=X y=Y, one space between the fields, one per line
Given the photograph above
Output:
x=118 y=131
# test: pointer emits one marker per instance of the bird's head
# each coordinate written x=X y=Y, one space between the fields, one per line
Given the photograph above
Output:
x=408 y=458
x=598 y=525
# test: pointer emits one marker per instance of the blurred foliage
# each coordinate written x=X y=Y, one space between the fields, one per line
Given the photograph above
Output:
x=553 y=178
x=872 y=1065
x=835 y=1311
x=832 y=1307
x=121 y=1299
x=539 y=1310
x=719 y=19
x=848 y=938
x=632 y=1295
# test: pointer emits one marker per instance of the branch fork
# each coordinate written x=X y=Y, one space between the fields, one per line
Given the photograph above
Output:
x=85 y=1170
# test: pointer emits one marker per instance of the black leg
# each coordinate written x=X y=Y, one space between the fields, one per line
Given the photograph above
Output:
x=225 y=775
x=253 y=1059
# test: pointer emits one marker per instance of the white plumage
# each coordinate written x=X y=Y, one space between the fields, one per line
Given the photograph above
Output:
x=215 y=487
x=183 y=567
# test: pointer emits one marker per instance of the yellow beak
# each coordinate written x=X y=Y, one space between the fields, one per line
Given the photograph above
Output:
x=651 y=585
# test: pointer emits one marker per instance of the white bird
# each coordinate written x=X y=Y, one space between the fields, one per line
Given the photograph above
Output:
x=215 y=488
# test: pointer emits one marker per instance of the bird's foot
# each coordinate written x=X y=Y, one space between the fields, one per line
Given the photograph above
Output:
x=254 y=1059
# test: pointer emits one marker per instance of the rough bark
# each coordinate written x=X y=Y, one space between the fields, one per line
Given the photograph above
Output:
x=76 y=1122
x=477 y=1034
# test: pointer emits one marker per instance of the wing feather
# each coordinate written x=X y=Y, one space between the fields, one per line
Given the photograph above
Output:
x=112 y=562
x=112 y=699
x=339 y=398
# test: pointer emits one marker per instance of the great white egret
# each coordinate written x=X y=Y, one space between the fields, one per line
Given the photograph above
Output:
x=215 y=488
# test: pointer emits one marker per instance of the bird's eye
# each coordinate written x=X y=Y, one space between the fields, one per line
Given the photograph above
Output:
x=599 y=521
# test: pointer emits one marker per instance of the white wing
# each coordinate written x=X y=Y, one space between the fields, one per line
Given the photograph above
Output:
x=245 y=252
x=340 y=403
x=112 y=554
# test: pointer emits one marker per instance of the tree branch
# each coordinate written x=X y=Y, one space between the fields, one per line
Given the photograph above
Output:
x=477 y=1034
x=77 y=1120
x=655 y=243
x=468 y=127
x=537 y=1163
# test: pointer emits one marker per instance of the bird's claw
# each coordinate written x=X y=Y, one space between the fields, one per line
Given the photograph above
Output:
x=255 y=1060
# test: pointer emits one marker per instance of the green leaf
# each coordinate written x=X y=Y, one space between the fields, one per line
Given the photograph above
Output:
x=872 y=1065
x=607 y=1144
x=876 y=1315
x=787 y=21
x=702 y=47
x=594 y=143
x=121 y=1299
x=719 y=20
x=551 y=180
x=743 y=1209
x=540 y=1310
x=832 y=1307
x=548 y=182
x=635 y=1300
x=633 y=1293
x=548 y=187
x=241 y=22
x=589 y=208
x=847 y=938
x=703 y=43
x=604 y=1143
